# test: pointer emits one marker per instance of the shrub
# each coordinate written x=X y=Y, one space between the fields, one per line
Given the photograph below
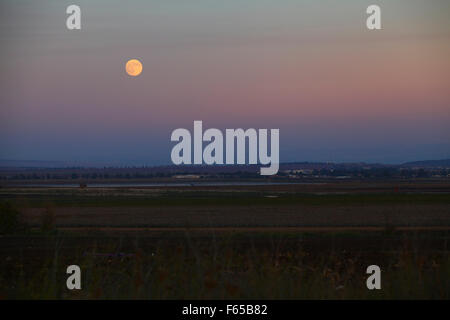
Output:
x=9 y=218
x=48 y=220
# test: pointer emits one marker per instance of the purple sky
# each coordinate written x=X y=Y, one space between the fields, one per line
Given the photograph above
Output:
x=336 y=91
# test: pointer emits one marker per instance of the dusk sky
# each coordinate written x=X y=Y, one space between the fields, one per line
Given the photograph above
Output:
x=337 y=91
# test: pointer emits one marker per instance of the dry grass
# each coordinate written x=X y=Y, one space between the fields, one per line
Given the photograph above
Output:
x=247 y=216
x=268 y=266
x=220 y=243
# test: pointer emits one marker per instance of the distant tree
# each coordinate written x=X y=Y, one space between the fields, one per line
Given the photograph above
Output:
x=422 y=173
x=9 y=219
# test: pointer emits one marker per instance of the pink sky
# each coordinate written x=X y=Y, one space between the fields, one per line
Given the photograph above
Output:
x=332 y=87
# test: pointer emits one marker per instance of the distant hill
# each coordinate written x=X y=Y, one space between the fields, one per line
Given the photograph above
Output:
x=50 y=164
x=428 y=164
x=32 y=164
x=8 y=165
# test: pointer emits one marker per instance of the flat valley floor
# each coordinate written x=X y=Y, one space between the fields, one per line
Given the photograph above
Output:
x=302 y=241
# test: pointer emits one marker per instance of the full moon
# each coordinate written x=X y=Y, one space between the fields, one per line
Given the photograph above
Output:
x=133 y=67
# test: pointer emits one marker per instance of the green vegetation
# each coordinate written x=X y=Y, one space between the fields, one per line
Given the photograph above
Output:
x=48 y=221
x=186 y=198
x=208 y=246
x=270 y=267
x=9 y=219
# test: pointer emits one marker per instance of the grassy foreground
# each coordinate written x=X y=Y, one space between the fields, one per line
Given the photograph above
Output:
x=233 y=266
x=271 y=242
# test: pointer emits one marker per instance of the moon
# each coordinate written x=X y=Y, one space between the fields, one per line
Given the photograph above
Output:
x=133 y=67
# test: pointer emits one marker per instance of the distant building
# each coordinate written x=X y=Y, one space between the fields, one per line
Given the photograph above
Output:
x=187 y=176
x=299 y=171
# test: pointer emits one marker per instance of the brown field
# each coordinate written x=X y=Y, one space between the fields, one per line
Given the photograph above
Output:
x=257 y=242
x=326 y=204
x=408 y=215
